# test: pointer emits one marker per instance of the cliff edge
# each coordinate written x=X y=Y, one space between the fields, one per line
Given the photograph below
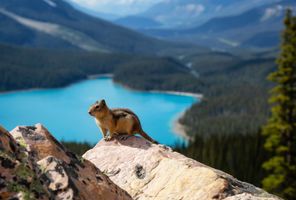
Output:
x=149 y=171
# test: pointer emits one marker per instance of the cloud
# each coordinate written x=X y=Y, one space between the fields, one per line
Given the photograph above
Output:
x=119 y=7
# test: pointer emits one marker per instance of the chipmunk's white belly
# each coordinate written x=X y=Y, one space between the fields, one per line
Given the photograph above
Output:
x=99 y=124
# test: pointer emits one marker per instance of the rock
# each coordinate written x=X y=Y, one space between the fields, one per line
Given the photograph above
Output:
x=38 y=141
x=19 y=177
x=7 y=143
x=149 y=171
x=34 y=165
x=54 y=170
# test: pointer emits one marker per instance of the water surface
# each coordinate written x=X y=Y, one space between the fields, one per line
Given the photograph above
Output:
x=64 y=111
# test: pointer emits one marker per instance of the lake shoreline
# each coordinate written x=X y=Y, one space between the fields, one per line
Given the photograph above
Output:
x=96 y=76
x=180 y=129
x=177 y=128
x=171 y=92
x=90 y=77
x=188 y=94
x=108 y=75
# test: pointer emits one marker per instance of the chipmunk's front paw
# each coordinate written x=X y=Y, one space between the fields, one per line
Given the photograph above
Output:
x=108 y=138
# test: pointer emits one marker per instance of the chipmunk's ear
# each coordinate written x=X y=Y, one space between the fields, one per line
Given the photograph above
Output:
x=103 y=102
x=96 y=102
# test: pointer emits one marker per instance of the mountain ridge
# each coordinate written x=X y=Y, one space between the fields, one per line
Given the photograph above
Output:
x=189 y=13
x=240 y=30
x=96 y=33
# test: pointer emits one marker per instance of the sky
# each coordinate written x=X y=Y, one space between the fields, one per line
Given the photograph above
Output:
x=117 y=7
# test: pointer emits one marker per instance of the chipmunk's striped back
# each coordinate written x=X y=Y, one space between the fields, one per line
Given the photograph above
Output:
x=117 y=121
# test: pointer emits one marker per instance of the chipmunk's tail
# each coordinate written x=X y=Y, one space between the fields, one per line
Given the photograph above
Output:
x=147 y=137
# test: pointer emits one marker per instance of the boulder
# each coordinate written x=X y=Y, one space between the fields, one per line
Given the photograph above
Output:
x=34 y=165
x=149 y=171
x=19 y=174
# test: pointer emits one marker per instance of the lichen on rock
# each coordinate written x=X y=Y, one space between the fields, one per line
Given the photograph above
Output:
x=34 y=165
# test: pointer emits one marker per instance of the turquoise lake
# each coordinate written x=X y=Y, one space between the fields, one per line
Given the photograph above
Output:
x=63 y=111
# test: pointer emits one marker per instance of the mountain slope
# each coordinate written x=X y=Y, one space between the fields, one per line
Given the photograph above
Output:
x=25 y=68
x=101 y=15
x=261 y=16
x=17 y=34
x=41 y=23
x=189 y=13
x=245 y=29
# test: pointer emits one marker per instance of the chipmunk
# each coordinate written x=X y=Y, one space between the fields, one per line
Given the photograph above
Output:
x=118 y=121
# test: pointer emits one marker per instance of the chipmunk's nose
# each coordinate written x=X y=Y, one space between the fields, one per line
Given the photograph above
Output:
x=89 y=112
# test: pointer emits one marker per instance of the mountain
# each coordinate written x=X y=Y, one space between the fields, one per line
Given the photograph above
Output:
x=56 y=24
x=137 y=22
x=180 y=13
x=189 y=13
x=258 y=27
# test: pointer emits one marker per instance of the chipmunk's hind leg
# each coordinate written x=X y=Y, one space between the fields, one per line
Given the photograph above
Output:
x=129 y=132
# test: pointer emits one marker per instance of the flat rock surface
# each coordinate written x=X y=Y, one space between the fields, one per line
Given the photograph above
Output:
x=149 y=171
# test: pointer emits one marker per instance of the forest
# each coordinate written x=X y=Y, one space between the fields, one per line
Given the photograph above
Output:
x=23 y=68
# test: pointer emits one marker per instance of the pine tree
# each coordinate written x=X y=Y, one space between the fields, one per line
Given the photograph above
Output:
x=280 y=131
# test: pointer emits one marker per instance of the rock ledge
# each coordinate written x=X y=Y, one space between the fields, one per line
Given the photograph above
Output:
x=149 y=171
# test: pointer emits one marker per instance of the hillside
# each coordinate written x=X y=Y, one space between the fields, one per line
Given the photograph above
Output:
x=48 y=68
x=258 y=27
x=248 y=26
x=190 y=13
x=56 y=24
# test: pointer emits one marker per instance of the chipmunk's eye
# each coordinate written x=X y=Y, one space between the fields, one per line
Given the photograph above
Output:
x=97 y=106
